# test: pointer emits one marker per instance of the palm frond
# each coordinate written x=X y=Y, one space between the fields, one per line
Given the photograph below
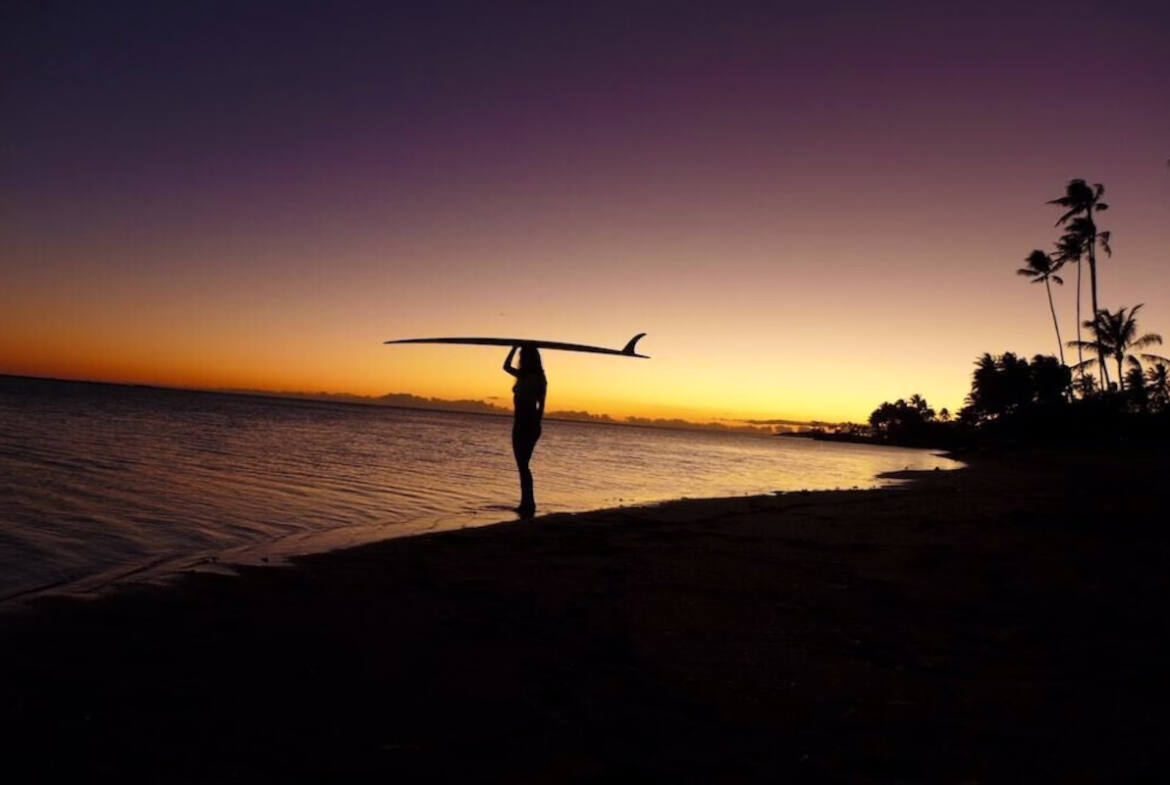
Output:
x=1079 y=344
x=1078 y=198
x=1038 y=261
x=1058 y=279
x=1159 y=375
x=1149 y=339
x=1104 y=238
x=1070 y=247
x=1156 y=358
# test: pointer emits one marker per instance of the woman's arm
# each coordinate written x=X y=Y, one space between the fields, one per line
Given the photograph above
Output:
x=508 y=362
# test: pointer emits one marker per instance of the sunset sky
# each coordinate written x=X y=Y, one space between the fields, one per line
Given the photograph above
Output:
x=809 y=207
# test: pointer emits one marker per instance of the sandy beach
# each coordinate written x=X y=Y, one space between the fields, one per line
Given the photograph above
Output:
x=997 y=623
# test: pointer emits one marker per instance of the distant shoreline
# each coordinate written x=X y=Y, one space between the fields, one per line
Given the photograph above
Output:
x=440 y=405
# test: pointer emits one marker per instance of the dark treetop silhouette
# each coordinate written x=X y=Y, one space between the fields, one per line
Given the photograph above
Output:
x=1115 y=335
x=1082 y=238
x=528 y=401
x=1041 y=268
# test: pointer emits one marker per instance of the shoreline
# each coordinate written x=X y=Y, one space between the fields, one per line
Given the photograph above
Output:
x=980 y=624
x=163 y=569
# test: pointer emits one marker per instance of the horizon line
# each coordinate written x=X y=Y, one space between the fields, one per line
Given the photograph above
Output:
x=748 y=426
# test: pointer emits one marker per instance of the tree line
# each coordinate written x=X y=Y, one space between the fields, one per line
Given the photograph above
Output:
x=1046 y=399
x=1114 y=335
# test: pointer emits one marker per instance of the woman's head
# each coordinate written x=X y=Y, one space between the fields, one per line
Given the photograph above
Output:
x=530 y=360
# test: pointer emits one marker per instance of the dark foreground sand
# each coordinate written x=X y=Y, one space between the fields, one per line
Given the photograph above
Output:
x=1001 y=623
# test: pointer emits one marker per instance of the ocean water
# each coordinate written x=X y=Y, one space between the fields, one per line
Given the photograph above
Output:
x=102 y=482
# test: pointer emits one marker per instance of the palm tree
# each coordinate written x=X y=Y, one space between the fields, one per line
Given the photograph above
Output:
x=985 y=396
x=1051 y=380
x=1070 y=248
x=1115 y=335
x=921 y=406
x=1041 y=268
x=1075 y=245
x=1158 y=385
x=1080 y=202
x=1000 y=385
x=1135 y=386
x=1086 y=385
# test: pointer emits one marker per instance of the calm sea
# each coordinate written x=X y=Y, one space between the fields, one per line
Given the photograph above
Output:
x=100 y=482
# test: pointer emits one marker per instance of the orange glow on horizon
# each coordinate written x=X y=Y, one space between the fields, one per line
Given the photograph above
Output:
x=688 y=377
x=736 y=328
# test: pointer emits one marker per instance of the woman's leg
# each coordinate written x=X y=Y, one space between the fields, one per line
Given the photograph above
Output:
x=523 y=443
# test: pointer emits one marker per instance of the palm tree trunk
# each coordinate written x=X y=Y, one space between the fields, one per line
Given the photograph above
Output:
x=1093 y=291
x=1051 y=307
x=1080 y=350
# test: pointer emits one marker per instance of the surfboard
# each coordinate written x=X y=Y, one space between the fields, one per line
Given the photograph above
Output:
x=625 y=351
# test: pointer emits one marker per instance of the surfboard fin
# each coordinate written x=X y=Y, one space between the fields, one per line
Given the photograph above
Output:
x=629 y=347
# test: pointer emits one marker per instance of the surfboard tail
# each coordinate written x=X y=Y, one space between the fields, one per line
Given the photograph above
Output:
x=629 y=348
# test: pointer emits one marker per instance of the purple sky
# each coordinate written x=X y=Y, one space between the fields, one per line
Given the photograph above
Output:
x=758 y=186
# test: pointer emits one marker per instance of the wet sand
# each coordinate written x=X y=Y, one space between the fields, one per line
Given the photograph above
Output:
x=998 y=623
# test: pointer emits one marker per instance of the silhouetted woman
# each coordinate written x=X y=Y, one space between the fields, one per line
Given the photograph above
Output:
x=528 y=402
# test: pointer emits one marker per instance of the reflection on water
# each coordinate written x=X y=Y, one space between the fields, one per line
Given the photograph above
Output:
x=95 y=478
